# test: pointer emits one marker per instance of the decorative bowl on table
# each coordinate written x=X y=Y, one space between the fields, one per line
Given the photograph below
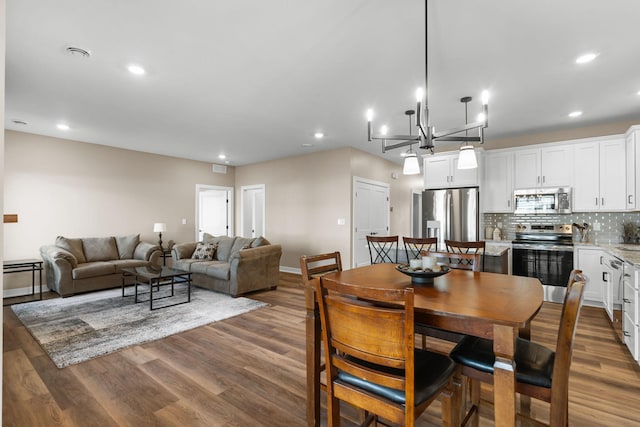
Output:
x=420 y=276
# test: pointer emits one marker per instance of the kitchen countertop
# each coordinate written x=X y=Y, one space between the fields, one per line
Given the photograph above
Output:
x=495 y=250
x=626 y=252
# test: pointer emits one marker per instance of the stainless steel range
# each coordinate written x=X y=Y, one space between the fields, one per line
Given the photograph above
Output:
x=544 y=251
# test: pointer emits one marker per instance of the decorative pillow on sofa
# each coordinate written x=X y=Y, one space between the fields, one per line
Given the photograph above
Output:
x=205 y=251
x=260 y=241
x=126 y=245
x=72 y=245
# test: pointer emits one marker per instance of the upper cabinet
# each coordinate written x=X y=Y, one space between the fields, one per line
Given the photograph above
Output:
x=632 y=156
x=497 y=187
x=441 y=171
x=543 y=167
x=599 y=174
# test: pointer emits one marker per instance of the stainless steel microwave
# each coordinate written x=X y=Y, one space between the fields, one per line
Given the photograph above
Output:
x=542 y=201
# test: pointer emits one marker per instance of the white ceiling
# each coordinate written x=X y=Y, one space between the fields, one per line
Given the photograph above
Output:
x=254 y=79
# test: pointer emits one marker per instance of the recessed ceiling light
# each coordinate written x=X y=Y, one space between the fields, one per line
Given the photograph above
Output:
x=575 y=114
x=587 y=57
x=62 y=126
x=222 y=157
x=318 y=135
x=136 y=69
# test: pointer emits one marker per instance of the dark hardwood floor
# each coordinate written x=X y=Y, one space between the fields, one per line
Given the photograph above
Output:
x=250 y=371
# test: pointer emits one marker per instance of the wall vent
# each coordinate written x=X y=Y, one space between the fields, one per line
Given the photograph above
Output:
x=219 y=169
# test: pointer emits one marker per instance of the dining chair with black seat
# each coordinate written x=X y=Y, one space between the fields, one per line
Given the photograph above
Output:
x=466 y=248
x=540 y=372
x=415 y=245
x=312 y=267
x=383 y=249
x=371 y=360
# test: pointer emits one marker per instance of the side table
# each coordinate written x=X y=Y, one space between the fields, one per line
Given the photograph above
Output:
x=25 y=265
x=166 y=253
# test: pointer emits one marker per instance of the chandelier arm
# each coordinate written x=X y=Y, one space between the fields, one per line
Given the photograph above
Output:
x=453 y=131
x=458 y=139
x=397 y=145
x=414 y=138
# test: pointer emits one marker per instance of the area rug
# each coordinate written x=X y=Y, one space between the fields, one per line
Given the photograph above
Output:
x=78 y=328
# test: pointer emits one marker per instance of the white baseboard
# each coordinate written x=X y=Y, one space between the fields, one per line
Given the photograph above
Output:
x=290 y=270
x=19 y=292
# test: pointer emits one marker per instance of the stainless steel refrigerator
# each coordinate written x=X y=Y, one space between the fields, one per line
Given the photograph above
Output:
x=451 y=214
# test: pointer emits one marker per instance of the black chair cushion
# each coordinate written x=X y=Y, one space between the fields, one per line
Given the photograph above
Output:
x=534 y=362
x=432 y=371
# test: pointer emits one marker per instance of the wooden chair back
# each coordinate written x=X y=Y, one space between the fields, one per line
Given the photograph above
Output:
x=466 y=248
x=312 y=268
x=559 y=398
x=415 y=245
x=383 y=249
x=459 y=261
x=558 y=394
x=317 y=265
x=369 y=334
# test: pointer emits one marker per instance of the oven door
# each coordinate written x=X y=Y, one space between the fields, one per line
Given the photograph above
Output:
x=551 y=264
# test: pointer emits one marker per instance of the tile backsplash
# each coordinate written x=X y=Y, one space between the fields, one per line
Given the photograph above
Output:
x=610 y=223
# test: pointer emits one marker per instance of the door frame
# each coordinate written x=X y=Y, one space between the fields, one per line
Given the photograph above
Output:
x=264 y=207
x=357 y=179
x=229 y=190
x=413 y=213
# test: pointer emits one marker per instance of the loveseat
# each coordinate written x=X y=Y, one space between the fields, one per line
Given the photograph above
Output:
x=231 y=265
x=87 y=264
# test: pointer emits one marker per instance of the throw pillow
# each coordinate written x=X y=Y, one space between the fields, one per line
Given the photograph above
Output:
x=72 y=245
x=205 y=251
x=126 y=245
x=260 y=241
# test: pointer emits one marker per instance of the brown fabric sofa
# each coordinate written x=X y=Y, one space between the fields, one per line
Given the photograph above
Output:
x=240 y=264
x=87 y=264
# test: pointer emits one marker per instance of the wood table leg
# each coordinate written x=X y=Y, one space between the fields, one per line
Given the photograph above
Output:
x=312 y=324
x=504 y=378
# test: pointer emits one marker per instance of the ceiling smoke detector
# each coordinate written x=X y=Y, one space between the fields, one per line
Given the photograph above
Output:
x=76 y=51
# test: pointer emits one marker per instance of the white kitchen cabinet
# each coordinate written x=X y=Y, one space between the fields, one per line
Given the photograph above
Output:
x=599 y=176
x=497 y=187
x=543 y=167
x=630 y=315
x=612 y=284
x=441 y=171
x=590 y=262
x=632 y=157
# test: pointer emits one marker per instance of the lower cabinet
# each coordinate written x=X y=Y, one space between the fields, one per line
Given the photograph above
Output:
x=589 y=260
x=630 y=315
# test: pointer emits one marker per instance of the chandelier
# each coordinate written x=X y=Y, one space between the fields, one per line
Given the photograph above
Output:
x=427 y=135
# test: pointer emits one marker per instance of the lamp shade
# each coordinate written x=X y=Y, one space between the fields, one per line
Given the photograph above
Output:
x=159 y=227
x=467 y=158
x=411 y=165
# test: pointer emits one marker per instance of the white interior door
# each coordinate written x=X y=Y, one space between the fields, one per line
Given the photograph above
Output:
x=252 y=210
x=214 y=211
x=370 y=216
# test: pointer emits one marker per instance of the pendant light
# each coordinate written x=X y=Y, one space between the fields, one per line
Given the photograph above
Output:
x=467 y=157
x=411 y=164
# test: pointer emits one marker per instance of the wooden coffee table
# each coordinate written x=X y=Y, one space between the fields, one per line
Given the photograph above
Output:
x=151 y=279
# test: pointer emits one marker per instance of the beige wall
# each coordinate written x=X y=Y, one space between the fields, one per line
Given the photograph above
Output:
x=305 y=196
x=75 y=189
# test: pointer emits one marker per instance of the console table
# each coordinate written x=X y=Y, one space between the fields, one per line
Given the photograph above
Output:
x=26 y=265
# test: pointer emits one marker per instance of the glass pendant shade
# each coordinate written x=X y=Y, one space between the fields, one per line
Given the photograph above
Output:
x=411 y=165
x=467 y=158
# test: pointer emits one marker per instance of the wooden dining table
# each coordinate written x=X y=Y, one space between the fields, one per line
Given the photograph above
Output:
x=489 y=305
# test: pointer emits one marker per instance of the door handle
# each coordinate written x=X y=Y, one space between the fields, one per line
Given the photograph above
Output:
x=373 y=233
